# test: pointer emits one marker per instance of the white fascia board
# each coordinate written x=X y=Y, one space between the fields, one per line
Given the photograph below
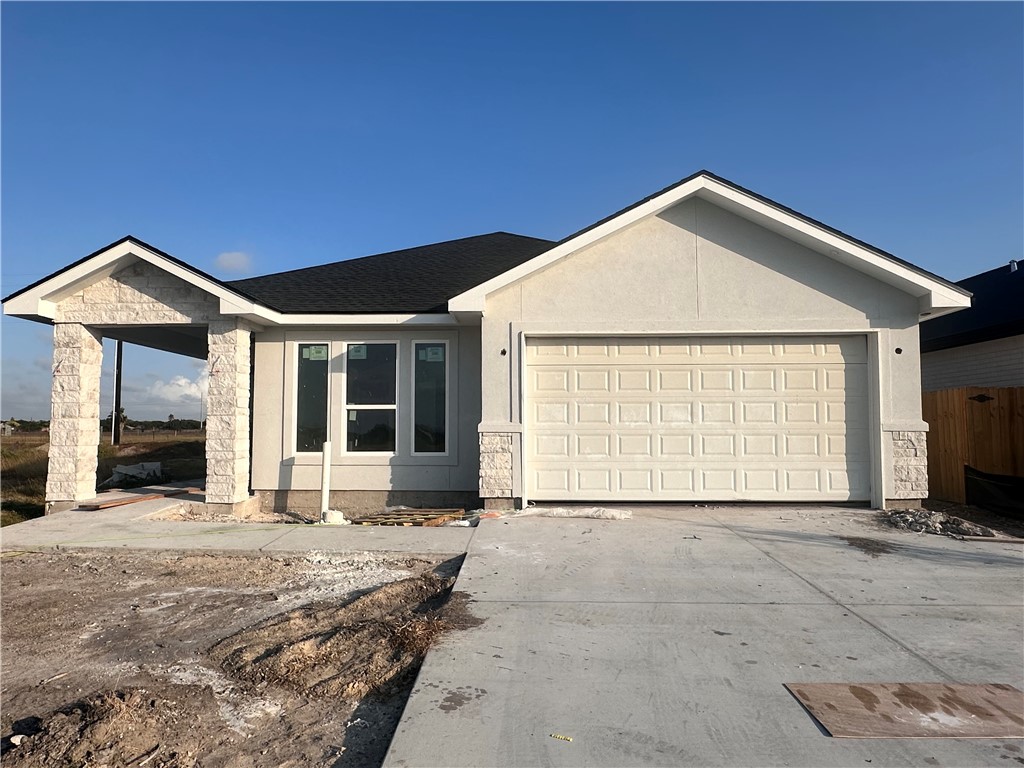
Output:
x=836 y=247
x=938 y=296
x=43 y=298
x=473 y=300
x=446 y=319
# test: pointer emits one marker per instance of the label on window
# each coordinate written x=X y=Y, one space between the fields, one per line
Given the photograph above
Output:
x=357 y=352
x=316 y=352
x=435 y=354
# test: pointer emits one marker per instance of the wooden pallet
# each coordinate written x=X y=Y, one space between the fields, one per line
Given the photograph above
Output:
x=427 y=518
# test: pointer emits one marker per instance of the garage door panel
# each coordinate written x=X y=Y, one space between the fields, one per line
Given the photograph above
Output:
x=718 y=413
x=716 y=380
x=758 y=381
x=717 y=446
x=798 y=413
x=594 y=479
x=801 y=480
x=718 y=483
x=760 y=481
x=675 y=381
x=687 y=419
x=676 y=446
x=633 y=380
x=546 y=415
x=670 y=414
x=635 y=481
x=593 y=381
x=635 y=445
x=759 y=413
x=593 y=446
x=590 y=414
x=550 y=446
x=760 y=446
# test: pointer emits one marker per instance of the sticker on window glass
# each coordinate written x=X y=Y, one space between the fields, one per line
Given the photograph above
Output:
x=435 y=354
x=357 y=352
x=317 y=352
x=305 y=353
x=352 y=415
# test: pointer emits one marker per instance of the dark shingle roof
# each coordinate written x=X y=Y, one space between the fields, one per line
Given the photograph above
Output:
x=997 y=311
x=413 y=280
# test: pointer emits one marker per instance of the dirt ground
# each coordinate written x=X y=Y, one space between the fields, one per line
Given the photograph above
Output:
x=135 y=659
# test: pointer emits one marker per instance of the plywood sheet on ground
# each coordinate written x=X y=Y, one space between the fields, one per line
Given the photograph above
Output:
x=914 y=710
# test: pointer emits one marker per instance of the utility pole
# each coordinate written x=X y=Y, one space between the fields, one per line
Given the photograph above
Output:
x=115 y=419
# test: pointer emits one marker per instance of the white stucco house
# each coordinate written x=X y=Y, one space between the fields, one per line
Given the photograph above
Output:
x=703 y=344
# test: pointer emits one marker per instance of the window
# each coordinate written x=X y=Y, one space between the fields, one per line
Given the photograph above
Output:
x=311 y=397
x=371 y=397
x=430 y=397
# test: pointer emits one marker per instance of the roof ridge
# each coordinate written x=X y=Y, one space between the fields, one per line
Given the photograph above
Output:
x=388 y=253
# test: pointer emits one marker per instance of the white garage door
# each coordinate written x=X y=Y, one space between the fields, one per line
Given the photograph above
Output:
x=698 y=418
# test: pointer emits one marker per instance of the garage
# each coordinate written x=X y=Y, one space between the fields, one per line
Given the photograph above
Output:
x=740 y=418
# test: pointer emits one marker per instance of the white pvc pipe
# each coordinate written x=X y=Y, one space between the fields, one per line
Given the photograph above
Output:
x=325 y=482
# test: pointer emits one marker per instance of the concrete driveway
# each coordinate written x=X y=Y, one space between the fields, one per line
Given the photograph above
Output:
x=666 y=640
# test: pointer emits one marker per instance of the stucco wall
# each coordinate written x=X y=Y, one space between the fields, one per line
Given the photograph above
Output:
x=998 y=363
x=277 y=466
x=697 y=268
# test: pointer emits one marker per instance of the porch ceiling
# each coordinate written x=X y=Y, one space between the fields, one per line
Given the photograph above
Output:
x=188 y=340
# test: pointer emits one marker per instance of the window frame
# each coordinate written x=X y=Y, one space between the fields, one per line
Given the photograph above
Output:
x=345 y=405
x=447 y=399
x=296 y=356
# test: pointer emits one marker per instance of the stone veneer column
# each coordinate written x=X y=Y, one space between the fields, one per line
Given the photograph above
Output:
x=227 y=422
x=496 y=469
x=74 y=415
x=910 y=465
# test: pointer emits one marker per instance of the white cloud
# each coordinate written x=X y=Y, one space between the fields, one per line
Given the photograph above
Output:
x=234 y=261
x=180 y=389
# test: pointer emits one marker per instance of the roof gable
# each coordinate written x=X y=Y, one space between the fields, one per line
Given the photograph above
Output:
x=936 y=295
x=39 y=300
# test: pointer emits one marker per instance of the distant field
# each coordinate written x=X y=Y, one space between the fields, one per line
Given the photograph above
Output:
x=23 y=460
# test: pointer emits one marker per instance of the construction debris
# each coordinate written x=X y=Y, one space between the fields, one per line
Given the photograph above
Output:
x=428 y=518
x=592 y=513
x=928 y=521
x=133 y=475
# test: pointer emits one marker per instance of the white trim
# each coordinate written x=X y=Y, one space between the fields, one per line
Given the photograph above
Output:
x=293 y=451
x=345 y=405
x=936 y=297
x=447 y=399
x=41 y=301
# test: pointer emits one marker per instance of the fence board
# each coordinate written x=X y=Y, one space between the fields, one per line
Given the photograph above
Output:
x=979 y=426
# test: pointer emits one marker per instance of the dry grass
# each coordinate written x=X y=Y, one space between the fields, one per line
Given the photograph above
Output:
x=23 y=463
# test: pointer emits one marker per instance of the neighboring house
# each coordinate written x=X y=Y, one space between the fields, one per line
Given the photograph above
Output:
x=982 y=346
x=8 y=428
x=703 y=344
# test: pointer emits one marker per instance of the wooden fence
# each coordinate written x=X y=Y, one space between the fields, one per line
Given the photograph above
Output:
x=979 y=426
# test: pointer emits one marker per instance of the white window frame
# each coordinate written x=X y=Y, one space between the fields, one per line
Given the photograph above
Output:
x=293 y=437
x=447 y=399
x=345 y=406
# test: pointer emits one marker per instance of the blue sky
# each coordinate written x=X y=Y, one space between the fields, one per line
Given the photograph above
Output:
x=296 y=134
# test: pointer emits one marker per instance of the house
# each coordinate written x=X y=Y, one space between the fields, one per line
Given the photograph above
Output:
x=982 y=346
x=705 y=343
